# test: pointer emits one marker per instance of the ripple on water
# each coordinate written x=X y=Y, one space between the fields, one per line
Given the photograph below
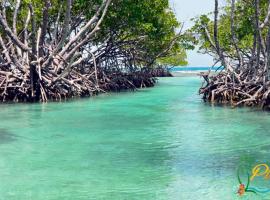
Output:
x=160 y=143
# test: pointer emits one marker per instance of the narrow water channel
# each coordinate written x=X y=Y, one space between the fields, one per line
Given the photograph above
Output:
x=154 y=144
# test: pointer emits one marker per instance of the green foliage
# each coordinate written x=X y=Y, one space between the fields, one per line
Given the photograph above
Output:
x=151 y=21
x=244 y=26
x=151 y=24
x=174 y=60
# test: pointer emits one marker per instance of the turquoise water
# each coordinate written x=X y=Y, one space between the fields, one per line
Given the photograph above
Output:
x=154 y=144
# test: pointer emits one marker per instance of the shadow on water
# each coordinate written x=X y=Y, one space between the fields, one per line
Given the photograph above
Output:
x=6 y=136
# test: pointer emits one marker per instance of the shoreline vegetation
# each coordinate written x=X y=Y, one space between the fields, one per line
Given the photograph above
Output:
x=238 y=38
x=55 y=49
x=51 y=50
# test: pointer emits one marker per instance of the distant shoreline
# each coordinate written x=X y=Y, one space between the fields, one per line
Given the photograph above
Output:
x=193 y=71
x=188 y=68
x=189 y=73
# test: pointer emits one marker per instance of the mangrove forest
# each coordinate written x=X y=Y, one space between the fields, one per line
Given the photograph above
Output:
x=238 y=37
x=55 y=49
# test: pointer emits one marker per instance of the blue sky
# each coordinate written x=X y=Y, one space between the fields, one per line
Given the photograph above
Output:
x=187 y=9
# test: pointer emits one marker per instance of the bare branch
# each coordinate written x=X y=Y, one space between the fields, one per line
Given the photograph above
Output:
x=5 y=51
x=240 y=58
x=45 y=22
x=18 y=3
x=266 y=20
x=83 y=30
x=12 y=36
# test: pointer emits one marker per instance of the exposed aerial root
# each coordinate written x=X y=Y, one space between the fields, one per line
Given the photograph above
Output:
x=236 y=90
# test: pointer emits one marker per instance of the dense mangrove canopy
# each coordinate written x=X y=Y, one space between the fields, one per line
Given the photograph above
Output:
x=239 y=38
x=52 y=49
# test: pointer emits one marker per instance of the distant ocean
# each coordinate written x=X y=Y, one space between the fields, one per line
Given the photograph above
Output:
x=195 y=69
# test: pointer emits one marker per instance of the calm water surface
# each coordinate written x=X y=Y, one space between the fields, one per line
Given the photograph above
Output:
x=158 y=143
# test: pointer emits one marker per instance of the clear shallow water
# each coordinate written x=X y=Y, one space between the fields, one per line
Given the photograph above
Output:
x=158 y=143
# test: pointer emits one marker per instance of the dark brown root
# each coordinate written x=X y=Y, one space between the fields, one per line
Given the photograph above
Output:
x=76 y=84
x=234 y=89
